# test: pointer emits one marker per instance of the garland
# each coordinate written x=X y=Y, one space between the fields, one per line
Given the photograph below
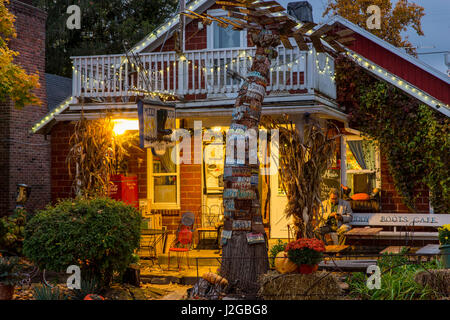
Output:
x=414 y=138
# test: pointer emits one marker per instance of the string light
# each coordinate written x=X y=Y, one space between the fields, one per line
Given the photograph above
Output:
x=421 y=95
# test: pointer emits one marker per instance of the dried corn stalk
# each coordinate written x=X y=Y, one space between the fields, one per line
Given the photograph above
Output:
x=302 y=166
x=96 y=152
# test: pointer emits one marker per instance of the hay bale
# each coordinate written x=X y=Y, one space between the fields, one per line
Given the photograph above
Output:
x=437 y=280
x=294 y=286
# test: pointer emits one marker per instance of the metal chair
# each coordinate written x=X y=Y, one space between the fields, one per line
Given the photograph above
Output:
x=182 y=244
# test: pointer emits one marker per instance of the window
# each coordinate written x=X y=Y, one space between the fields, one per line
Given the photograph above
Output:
x=362 y=165
x=164 y=188
x=225 y=38
x=221 y=38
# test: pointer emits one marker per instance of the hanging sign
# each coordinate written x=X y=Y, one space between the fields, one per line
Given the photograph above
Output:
x=156 y=123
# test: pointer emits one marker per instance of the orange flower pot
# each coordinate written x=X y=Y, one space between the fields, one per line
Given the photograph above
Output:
x=307 y=268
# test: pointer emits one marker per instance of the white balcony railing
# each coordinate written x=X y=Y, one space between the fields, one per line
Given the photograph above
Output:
x=199 y=72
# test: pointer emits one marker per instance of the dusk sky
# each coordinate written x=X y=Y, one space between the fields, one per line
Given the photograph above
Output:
x=435 y=25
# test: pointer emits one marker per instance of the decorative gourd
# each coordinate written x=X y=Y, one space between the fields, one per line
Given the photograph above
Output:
x=283 y=264
x=215 y=279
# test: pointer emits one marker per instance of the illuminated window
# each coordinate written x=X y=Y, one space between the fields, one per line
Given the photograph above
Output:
x=362 y=165
x=164 y=180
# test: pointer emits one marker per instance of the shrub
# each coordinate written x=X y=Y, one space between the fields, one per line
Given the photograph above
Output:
x=12 y=231
x=45 y=292
x=397 y=281
x=9 y=270
x=99 y=235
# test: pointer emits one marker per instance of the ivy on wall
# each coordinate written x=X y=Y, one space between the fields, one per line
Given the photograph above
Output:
x=414 y=138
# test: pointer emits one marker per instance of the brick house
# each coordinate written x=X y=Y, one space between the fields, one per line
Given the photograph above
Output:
x=302 y=82
x=25 y=157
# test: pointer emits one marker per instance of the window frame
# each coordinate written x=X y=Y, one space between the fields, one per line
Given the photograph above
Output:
x=150 y=183
x=210 y=32
x=344 y=170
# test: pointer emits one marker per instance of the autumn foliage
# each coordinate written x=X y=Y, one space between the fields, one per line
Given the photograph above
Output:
x=15 y=83
x=394 y=19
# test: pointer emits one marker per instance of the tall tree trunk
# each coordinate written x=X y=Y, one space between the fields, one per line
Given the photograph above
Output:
x=243 y=263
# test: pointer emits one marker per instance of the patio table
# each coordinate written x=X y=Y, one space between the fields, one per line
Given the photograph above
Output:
x=155 y=237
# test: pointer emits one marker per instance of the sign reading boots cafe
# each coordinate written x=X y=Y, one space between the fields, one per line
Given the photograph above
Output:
x=398 y=219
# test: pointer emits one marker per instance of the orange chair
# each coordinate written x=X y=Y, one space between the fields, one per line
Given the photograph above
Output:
x=182 y=244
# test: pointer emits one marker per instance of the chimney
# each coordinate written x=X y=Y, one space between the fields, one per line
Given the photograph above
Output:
x=302 y=10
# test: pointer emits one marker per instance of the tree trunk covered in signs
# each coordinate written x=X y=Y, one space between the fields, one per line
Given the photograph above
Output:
x=243 y=239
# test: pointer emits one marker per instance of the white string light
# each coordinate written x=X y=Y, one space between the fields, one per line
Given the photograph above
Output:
x=422 y=95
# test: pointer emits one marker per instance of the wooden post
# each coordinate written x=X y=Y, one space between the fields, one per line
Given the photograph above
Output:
x=245 y=257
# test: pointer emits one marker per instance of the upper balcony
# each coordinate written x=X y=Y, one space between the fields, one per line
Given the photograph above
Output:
x=202 y=73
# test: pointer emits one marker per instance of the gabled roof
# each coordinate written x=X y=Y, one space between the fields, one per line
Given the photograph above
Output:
x=393 y=65
x=58 y=89
x=395 y=50
x=152 y=39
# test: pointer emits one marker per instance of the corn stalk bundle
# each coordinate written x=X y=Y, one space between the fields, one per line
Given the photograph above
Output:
x=95 y=154
x=302 y=165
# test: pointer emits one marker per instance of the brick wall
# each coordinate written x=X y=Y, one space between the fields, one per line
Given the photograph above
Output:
x=137 y=165
x=61 y=186
x=25 y=158
x=390 y=199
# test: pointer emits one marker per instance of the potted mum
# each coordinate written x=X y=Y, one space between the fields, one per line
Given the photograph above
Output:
x=9 y=276
x=306 y=254
x=444 y=240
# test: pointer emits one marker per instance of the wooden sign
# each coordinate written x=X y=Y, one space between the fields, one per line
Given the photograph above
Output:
x=400 y=219
x=156 y=122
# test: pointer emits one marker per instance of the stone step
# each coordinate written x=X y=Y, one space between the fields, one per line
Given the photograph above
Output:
x=200 y=258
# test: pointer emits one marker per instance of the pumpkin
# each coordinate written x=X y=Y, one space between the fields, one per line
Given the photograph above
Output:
x=93 y=297
x=283 y=264
x=360 y=196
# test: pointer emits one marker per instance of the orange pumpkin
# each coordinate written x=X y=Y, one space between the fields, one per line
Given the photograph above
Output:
x=93 y=297
x=283 y=264
x=360 y=196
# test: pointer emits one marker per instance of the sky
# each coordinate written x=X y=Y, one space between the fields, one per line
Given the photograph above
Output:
x=435 y=25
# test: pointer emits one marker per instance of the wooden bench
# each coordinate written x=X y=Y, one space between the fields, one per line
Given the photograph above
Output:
x=346 y=265
x=335 y=248
x=393 y=249
x=376 y=222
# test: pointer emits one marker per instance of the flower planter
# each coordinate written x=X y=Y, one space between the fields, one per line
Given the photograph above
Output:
x=445 y=251
x=307 y=268
x=6 y=292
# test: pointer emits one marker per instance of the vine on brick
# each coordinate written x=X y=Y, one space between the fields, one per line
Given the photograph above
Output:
x=414 y=138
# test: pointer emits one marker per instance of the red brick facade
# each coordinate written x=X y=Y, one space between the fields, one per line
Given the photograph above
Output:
x=25 y=158
x=190 y=177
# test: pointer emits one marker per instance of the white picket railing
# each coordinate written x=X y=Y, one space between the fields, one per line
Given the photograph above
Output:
x=199 y=72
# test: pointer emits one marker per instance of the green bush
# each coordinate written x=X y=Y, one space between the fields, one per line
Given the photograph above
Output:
x=397 y=281
x=99 y=235
x=12 y=231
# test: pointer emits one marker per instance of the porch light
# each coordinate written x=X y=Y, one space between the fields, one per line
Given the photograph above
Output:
x=122 y=125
